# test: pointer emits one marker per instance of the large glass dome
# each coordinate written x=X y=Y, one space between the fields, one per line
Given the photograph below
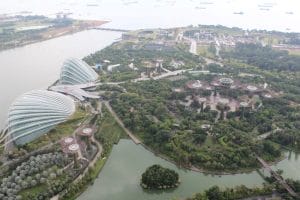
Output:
x=75 y=71
x=35 y=113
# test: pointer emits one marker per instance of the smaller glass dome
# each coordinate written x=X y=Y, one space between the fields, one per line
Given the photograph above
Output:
x=75 y=71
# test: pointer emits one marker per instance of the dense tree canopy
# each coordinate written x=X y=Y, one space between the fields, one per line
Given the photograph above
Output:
x=158 y=177
x=264 y=57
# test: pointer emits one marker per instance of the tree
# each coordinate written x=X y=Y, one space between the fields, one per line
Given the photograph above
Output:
x=214 y=193
x=271 y=148
x=199 y=139
x=265 y=127
x=158 y=177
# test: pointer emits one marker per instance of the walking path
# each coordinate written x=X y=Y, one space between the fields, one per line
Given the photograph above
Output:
x=128 y=132
x=91 y=164
x=265 y=135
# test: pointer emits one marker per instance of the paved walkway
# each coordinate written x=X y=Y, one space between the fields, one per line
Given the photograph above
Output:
x=91 y=164
x=128 y=132
x=265 y=135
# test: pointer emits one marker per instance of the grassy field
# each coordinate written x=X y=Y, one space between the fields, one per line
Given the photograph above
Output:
x=97 y=168
x=270 y=40
x=110 y=129
x=203 y=50
x=294 y=52
x=33 y=191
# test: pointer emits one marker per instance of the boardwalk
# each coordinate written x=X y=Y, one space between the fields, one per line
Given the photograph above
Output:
x=277 y=177
x=128 y=132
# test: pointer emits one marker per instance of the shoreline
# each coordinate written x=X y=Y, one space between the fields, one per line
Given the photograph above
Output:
x=86 y=25
x=207 y=172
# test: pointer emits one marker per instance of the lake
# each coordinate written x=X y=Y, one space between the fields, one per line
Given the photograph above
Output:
x=119 y=178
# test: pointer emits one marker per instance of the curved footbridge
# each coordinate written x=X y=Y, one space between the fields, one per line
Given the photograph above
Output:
x=277 y=176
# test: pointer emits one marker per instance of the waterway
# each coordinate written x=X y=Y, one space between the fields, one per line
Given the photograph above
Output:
x=280 y=15
x=37 y=66
x=120 y=177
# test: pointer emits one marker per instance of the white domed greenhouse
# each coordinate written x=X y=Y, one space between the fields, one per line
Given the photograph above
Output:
x=35 y=113
x=75 y=71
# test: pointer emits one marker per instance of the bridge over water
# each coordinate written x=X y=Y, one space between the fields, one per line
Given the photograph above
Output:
x=111 y=29
x=277 y=176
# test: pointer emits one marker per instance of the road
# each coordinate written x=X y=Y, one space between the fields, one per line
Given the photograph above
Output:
x=193 y=48
x=218 y=47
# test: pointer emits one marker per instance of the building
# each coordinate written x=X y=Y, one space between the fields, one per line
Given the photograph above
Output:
x=35 y=113
x=226 y=82
x=75 y=71
x=76 y=78
x=196 y=84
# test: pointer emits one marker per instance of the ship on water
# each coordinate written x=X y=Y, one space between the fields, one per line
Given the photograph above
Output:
x=238 y=13
x=200 y=8
x=289 y=13
x=92 y=5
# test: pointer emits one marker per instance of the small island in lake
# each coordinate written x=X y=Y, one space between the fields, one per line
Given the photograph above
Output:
x=158 y=177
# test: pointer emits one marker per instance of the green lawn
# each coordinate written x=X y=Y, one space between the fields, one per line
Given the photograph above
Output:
x=209 y=142
x=33 y=191
x=203 y=50
x=97 y=168
x=294 y=52
x=110 y=128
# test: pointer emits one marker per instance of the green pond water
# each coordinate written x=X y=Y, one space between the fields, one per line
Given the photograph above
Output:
x=120 y=177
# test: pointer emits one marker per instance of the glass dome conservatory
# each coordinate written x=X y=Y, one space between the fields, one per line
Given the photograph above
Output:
x=35 y=113
x=75 y=71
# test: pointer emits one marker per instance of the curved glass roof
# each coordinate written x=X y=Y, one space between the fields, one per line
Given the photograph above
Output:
x=35 y=113
x=75 y=71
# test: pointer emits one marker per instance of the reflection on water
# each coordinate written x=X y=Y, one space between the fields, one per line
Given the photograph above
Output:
x=290 y=165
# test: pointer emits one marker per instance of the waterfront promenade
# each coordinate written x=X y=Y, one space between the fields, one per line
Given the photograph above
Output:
x=128 y=132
